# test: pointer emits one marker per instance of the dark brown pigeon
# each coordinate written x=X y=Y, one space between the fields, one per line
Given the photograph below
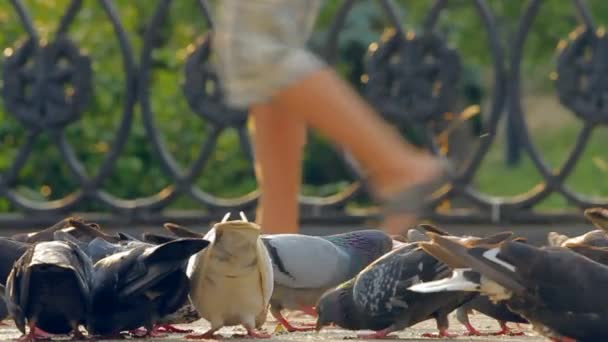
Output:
x=557 y=290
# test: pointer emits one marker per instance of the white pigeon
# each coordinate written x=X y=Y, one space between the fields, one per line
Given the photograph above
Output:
x=232 y=280
x=305 y=266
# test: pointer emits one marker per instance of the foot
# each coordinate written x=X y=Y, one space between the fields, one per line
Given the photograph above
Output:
x=563 y=339
x=403 y=194
x=35 y=334
x=251 y=333
x=471 y=331
x=146 y=333
x=208 y=335
x=290 y=328
x=380 y=334
x=506 y=331
x=309 y=310
x=168 y=328
x=77 y=335
x=443 y=333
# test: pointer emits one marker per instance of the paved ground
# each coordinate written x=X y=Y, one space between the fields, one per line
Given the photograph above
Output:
x=482 y=323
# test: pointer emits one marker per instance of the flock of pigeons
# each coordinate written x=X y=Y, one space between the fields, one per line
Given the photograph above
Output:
x=74 y=275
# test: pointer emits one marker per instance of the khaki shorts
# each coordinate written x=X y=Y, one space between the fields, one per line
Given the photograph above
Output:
x=260 y=47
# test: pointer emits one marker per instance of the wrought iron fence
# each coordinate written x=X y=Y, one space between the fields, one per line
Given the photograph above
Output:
x=410 y=78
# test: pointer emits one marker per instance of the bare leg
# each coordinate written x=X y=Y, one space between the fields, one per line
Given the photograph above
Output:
x=325 y=102
x=278 y=140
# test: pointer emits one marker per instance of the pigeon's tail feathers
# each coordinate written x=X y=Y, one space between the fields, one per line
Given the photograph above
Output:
x=485 y=260
x=463 y=279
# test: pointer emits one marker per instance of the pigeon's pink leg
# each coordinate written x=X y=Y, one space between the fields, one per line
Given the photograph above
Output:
x=41 y=334
x=505 y=330
x=207 y=335
x=145 y=333
x=309 y=310
x=279 y=317
x=563 y=339
x=471 y=331
x=380 y=334
x=168 y=328
x=442 y=333
x=257 y=334
x=2 y=323
x=34 y=334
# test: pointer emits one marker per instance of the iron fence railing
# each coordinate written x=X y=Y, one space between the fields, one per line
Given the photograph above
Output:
x=410 y=78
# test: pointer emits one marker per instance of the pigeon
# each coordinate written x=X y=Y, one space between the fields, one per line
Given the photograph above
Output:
x=498 y=311
x=74 y=226
x=377 y=298
x=305 y=267
x=140 y=286
x=49 y=288
x=232 y=280
x=156 y=239
x=557 y=290
x=98 y=249
x=10 y=251
x=43 y=235
x=596 y=238
x=598 y=216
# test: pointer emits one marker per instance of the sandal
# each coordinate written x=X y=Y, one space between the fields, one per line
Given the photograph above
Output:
x=411 y=200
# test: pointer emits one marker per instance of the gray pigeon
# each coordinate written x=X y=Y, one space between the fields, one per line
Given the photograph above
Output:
x=48 y=288
x=377 y=299
x=305 y=266
x=140 y=286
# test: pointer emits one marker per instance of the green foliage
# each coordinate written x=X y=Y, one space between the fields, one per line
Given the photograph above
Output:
x=138 y=171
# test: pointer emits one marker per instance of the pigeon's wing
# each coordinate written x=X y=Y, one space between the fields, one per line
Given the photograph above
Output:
x=199 y=261
x=484 y=260
x=301 y=261
x=181 y=231
x=597 y=254
x=43 y=235
x=157 y=262
x=156 y=239
x=17 y=289
x=381 y=288
x=10 y=251
x=266 y=272
x=99 y=248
